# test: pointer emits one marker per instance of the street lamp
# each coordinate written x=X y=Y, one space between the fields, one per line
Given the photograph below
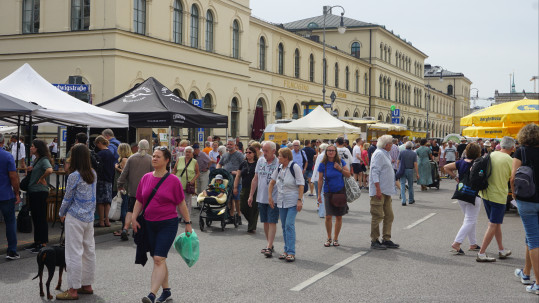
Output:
x=427 y=106
x=341 y=29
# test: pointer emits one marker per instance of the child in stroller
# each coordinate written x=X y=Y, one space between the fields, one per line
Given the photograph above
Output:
x=217 y=189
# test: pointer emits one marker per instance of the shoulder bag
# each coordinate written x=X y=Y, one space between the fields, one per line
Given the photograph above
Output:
x=337 y=199
x=140 y=234
x=189 y=187
x=25 y=182
x=464 y=191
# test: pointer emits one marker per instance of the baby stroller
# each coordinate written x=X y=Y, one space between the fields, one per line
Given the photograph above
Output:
x=216 y=209
x=435 y=175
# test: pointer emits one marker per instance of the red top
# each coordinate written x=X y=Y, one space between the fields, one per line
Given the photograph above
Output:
x=168 y=196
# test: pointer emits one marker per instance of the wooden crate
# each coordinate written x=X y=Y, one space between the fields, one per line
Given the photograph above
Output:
x=51 y=200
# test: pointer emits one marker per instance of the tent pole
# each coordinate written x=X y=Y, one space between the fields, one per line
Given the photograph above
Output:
x=88 y=136
x=18 y=135
x=169 y=137
x=30 y=143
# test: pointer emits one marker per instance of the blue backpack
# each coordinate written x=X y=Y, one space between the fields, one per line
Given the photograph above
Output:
x=524 y=179
x=306 y=186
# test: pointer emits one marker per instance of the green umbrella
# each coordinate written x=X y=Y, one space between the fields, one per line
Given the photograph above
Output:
x=453 y=137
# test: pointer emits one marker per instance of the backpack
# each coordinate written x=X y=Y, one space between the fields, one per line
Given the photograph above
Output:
x=480 y=172
x=306 y=186
x=24 y=220
x=524 y=179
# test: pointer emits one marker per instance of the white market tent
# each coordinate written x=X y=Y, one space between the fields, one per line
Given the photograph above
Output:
x=26 y=84
x=319 y=121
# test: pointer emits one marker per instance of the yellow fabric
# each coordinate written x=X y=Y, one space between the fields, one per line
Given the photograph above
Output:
x=190 y=172
x=221 y=200
x=498 y=188
x=506 y=114
x=490 y=132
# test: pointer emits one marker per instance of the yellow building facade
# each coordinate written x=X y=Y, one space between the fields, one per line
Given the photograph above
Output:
x=217 y=51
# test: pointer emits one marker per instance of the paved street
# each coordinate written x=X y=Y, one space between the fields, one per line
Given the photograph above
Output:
x=231 y=268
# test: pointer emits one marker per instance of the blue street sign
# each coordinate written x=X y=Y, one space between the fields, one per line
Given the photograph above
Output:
x=201 y=137
x=197 y=102
x=201 y=130
x=395 y=120
x=396 y=113
x=64 y=135
x=80 y=88
x=327 y=105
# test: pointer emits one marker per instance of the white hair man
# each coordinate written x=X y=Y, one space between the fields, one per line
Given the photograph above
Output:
x=263 y=171
x=381 y=188
x=299 y=156
x=495 y=198
x=136 y=167
x=231 y=161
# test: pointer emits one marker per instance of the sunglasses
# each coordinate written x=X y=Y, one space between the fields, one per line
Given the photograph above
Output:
x=160 y=148
x=249 y=152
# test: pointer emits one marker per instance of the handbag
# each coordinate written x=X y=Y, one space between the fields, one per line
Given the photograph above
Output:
x=337 y=199
x=116 y=207
x=25 y=182
x=464 y=191
x=189 y=187
x=353 y=192
x=24 y=220
x=140 y=234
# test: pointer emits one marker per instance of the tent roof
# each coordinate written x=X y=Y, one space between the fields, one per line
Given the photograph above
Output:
x=11 y=106
x=153 y=104
x=26 y=84
x=317 y=122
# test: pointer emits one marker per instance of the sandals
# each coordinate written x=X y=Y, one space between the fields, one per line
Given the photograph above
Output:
x=290 y=258
x=269 y=252
x=283 y=256
x=263 y=250
x=336 y=243
x=65 y=296
x=328 y=243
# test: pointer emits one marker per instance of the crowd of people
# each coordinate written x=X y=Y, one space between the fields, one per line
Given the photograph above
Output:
x=269 y=183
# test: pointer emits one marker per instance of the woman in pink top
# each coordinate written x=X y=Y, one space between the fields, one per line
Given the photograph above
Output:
x=161 y=218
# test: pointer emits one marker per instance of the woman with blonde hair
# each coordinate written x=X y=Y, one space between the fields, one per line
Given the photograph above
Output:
x=124 y=152
x=187 y=171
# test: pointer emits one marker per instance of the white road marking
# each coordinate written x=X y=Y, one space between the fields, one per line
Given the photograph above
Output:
x=420 y=221
x=326 y=272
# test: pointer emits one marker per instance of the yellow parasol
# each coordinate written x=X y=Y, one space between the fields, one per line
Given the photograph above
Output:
x=507 y=114
x=491 y=132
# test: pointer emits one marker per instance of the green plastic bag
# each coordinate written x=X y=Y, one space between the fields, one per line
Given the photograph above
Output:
x=186 y=244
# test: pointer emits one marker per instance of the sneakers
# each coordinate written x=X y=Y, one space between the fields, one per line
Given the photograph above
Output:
x=11 y=255
x=390 y=244
x=484 y=258
x=123 y=236
x=534 y=288
x=36 y=249
x=150 y=298
x=29 y=248
x=165 y=296
x=523 y=278
x=504 y=254
x=377 y=245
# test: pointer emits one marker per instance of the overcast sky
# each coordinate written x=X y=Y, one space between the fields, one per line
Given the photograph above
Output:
x=485 y=40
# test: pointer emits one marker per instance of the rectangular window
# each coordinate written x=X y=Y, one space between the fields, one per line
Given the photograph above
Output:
x=80 y=15
x=30 y=16
x=139 y=16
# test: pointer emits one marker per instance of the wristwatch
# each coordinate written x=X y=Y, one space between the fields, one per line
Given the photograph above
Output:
x=190 y=222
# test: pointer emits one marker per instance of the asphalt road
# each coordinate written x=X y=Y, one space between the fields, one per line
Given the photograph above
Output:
x=231 y=268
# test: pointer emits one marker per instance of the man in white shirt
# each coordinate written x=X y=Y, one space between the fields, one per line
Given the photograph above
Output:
x=53 y=147
x=343 y=152
x=357 y=164
x=381 y=188
x=18 y=151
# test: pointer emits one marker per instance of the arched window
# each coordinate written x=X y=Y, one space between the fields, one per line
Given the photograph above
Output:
x=366 y=84
x=384 y=81
x=380 y=117
x=381 y=51
x=30 y=16
x=325 y=69
x=336 y=74
x=235 y=39
x=178 y=22
x=192 y=96
x=388 y=119
x=209 y=31
x=207 y=105
x=346 y=113
x=347 y=78
x=262 y=53
x=139 y=17
x=80 y=15
x=381 y=87
x=234 y=114
x=356 y=115
x=357 y=81
x=311 y=68
x=296 y=63
x=177 y=92
x=278 y=111
x=262 y=103
x=194 y=26
x=356 y=48
x=280 y=60
x=450 y=89
x=295 y=112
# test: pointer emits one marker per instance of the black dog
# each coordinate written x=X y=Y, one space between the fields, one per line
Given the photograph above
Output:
x=50 y=256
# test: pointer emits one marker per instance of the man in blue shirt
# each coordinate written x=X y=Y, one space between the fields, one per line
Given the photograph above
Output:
x=113 y=143
x=309 y=153
x=299 y=156
x=9 y=187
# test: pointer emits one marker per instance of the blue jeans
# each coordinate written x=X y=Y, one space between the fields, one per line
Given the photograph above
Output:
x=408 y=175
x=288 y=222
x=321 y=207
x=125 y=203
x=7 y=207
x=529 y=214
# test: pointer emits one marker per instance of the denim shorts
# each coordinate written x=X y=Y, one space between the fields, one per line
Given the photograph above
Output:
x=268 y=214
x=308 y=173
x=237 y=197
x=529 y=214
x=495 y=211
x=161 y=235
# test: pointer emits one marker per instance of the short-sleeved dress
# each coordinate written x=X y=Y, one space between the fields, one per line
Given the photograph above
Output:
x=423 y=165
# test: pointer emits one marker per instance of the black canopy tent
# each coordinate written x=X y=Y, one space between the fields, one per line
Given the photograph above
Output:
x=151 y=104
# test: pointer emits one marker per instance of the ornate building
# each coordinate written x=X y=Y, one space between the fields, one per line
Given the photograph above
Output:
x=215 y=50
